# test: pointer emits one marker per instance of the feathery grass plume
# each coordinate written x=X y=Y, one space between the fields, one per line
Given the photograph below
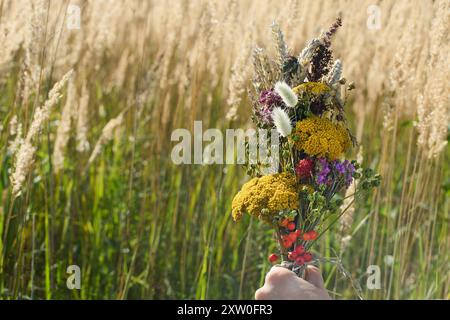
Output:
x=282 y=121
x=25 y=155
x=239 y=73
x=34 y=43
x=11 y=36
x=43 y=113
x=120 y=73
x=23 y=162
x=62 y=133
x=82 y=121
x=15 y=130
x=336 y=72
x=388 y=116
x=282 y=48
x=433 y=110
x=265 y=72
x=13 y=126
x=433 y=115
x=286 y=93
x=106 y=136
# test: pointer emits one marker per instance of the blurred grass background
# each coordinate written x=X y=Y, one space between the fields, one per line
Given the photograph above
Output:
x=141 y=227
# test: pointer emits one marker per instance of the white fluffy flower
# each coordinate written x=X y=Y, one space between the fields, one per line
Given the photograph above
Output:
x=282 y=122
x=286 y=93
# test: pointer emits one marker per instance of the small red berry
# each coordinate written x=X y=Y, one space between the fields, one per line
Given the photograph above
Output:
x=310 y=235
x=307 y=256
x=287 y=243
x=298 y=232
x=292 y=256
x=284 y=222
x=313 y=235
x=300 y=261
x=273 y=258
x=292 y=236
x=291 y=226
x=299 y=249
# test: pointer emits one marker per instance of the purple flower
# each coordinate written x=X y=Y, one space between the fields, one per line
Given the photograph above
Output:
x=323 y=172
x=340 y=167
x=341 y=170
x=345 y=169
x=270 y=98
x=350 y=169
x=265 y=113
x=322 y=179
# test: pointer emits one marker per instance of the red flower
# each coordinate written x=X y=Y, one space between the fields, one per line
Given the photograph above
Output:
x=300 y=256
x=304 y=168
x=300 y=261
x=287 y=243
x=299 y=250
x=287 y=240
x=292 y=256
x=310 y=235
x=292 y=236
x=273 y=258
x=307 y=256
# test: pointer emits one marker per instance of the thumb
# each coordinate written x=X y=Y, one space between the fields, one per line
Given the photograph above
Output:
x=314 y=276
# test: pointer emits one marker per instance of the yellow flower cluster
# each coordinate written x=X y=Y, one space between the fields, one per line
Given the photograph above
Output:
x=316 y=88
x=264 y=197
x=321 y=138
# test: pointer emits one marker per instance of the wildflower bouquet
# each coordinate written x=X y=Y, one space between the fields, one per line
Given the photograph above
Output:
x=303 y=98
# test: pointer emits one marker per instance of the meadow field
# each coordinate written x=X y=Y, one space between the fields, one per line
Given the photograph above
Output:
x=91 y=91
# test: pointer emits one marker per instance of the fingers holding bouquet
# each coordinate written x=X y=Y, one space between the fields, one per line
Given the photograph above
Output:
x=283 y=284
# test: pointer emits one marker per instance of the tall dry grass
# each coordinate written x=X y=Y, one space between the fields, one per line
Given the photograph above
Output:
x=101 y=192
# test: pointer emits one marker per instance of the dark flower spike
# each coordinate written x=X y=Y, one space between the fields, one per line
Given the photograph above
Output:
x=326 y=37
x=320 y=63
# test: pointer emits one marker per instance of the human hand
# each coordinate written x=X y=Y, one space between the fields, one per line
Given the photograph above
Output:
x=283 y=284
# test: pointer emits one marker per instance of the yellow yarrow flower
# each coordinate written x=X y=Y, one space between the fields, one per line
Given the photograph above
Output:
x=316 y=88
x=321 y=138
x=264 y=197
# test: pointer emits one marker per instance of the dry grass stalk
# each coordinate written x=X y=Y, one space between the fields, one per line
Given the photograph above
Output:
x=24 y=157
x=106 y=136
